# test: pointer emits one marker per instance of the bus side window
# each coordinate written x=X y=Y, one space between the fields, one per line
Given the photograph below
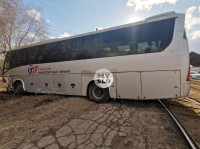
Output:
x=113 y=51
x=149 y=48
x=133 y=48
x=142 y=47
x=154 y=48
x=89 y=49
x=159 y=46
x=124 y=49
x=13 y=59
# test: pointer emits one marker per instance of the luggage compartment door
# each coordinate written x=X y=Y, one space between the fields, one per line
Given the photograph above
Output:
x=73 y=84
x=59 y=84
x=129 y=85
x=39 y=84
x=160 y=84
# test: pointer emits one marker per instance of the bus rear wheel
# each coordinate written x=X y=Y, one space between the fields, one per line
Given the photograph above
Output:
x=97 y=94
x=18 y=88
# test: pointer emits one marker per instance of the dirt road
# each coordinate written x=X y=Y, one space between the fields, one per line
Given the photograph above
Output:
x=52 y=121
x=76 y=122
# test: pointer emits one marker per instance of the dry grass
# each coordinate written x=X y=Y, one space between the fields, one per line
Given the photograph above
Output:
x=194 y=94
x=195 y=82
x=1 y=65
x=195 y=90
x=188 y=112
x=2 y=85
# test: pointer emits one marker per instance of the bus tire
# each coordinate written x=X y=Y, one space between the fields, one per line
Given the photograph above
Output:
x=18 y=89
x=97 y=94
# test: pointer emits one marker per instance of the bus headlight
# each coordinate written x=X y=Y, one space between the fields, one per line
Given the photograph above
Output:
x=5 y=79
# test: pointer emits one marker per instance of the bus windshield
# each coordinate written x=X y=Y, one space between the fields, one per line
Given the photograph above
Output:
x=6 y=65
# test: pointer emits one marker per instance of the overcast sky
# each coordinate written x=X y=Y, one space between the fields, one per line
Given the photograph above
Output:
x=71 y=17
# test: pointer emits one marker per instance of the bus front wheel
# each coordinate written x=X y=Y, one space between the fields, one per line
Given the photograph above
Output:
x=18 y=88
x=98 y=94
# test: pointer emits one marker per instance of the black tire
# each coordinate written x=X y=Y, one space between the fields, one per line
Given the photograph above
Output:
x=18 y=89
x=97 y=94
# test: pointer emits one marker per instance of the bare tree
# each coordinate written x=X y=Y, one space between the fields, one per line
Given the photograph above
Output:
x=19 y=25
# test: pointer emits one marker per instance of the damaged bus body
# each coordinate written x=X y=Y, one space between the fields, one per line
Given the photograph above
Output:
x=148 y=60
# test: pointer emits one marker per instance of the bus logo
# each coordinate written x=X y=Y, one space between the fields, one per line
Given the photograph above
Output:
x=32 y=69
x=103 y=78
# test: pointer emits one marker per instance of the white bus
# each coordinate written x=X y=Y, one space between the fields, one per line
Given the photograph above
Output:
x=148 y=59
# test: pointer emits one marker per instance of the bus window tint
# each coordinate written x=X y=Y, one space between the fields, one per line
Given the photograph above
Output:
x=124 y=48
x=76 y=48
x=65 y=51
x=142 y=47
x=155 y=48
x=140 y=39
x=12 y=59
x=92 y=47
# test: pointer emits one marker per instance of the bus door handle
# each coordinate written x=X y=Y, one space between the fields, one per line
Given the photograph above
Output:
x=46 y=84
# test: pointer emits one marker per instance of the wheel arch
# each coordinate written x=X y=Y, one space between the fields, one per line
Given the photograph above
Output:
x=19 y=81
x=92 y=81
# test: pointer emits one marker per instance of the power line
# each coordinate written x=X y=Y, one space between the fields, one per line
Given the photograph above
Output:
x=58 y=31
x=163 y=7
x=61 y=29
x=60 y=15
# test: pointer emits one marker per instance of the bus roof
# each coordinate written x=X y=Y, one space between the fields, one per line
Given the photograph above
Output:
x=150 y=19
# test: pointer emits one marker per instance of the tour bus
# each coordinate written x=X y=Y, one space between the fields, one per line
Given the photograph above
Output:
x=148 y=59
